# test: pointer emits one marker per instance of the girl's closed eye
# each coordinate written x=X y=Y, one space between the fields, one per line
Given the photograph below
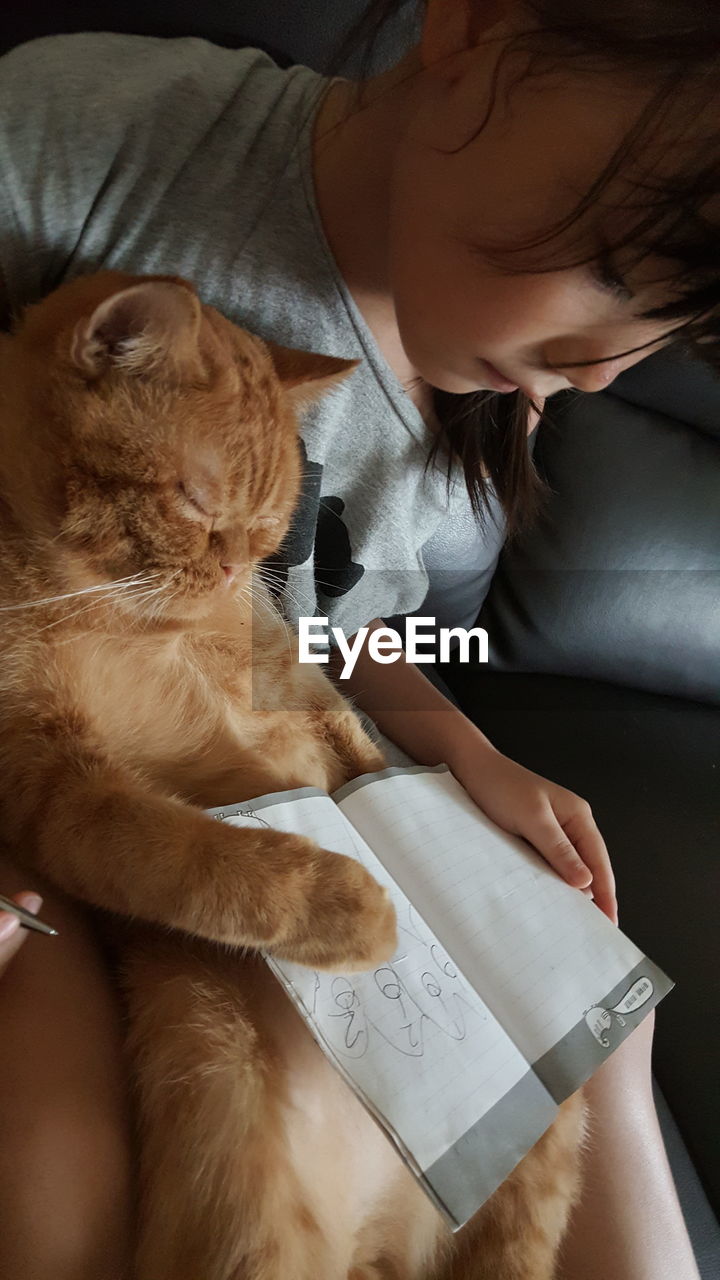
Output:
x=609 y=278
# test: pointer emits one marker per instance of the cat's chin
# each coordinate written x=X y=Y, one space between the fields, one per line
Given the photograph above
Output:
x=186 y=610
x=182 y=611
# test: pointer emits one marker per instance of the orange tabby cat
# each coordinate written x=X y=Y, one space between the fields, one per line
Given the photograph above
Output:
x=148 y=461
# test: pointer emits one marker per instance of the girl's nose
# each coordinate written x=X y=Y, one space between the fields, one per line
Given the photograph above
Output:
x=594 y=377
x=561 y=356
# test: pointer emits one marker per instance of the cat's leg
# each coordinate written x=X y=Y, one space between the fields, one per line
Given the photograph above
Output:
x=406 y=1240
x=333 y=717
x=355 y=750
x=169 y=863
x=219 y=1198
x=517 y=1234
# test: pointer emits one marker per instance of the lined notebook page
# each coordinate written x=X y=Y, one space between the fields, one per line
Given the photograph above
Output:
x=419 y=1043
x=539 y=951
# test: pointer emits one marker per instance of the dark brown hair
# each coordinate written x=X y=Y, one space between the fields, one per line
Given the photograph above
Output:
x=676 y=44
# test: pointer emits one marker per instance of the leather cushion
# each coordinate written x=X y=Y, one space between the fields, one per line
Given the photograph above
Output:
x=620 y=578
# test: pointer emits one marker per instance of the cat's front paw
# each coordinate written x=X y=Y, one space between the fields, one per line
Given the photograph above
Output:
x=350 y=922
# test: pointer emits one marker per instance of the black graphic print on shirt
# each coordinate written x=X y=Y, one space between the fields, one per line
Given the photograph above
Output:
x=317 y=523
x=336 y=572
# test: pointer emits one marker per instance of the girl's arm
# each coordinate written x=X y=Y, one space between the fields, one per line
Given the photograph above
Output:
x=410 y=711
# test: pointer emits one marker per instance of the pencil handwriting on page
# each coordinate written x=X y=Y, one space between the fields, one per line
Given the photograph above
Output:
x=241 y=811
x=416 y=993
x=412 y=1037
x=348 y=1007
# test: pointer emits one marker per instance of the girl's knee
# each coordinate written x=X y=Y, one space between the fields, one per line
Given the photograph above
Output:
x=65 y=1153
x=627 y=1073
x=637 y=1049
x=66 y=1202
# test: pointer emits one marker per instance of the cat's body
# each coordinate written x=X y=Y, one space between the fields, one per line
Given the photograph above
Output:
x=145 y=441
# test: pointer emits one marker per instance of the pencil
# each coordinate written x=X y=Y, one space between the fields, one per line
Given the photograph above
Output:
x=27 y=919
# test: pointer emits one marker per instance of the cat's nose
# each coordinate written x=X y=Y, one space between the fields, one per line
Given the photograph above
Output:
x=231 y=572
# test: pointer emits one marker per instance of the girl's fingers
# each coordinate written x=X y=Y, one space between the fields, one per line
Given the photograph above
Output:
x=551 y=841
x=578 y=853
x=591 y=847
x=12 y=936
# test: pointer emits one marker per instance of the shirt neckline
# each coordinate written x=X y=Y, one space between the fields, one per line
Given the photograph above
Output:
x=387 y=379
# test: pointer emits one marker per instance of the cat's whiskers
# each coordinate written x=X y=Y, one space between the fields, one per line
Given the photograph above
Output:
x=159 y=605
x=276 y=577
x=269 y=576
x=67 y=617
x=265 y=595
x=136 y=590
x=277 y=615
x=133 y=580
x=154 y=600
x=287 y=590
x=119 y=593
x=87 y=608
x=254 y=599
x=258 y=599
x=148 y=592
x=321 y=582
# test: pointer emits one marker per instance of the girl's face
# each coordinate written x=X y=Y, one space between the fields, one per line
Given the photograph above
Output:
x=464 y=322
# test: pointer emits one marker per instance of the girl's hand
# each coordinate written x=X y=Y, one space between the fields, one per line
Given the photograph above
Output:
x=12 y=935
x=556 y=822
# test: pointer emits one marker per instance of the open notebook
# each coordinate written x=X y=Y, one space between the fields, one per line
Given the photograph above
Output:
x=508 y=988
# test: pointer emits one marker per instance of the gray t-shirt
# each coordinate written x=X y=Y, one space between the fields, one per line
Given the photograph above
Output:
x=179 y=157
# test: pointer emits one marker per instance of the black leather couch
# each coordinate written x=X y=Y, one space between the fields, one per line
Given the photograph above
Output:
x=604 y=624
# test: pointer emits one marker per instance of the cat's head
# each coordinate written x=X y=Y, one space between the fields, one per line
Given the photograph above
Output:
x=149 y=436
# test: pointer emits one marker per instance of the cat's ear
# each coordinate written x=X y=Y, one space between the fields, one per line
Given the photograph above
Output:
x=307 y=376
x=148 y=328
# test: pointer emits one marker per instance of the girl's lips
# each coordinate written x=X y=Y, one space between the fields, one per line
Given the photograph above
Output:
x=496 y=379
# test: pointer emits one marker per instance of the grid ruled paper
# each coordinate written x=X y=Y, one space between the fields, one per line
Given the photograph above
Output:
x=539 y=951
x=413 y=1037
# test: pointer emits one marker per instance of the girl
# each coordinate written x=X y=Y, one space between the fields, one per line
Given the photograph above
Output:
x=491 y=221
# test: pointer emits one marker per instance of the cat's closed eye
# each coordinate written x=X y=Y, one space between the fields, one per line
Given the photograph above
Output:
x=195 y=501
x=264 y=535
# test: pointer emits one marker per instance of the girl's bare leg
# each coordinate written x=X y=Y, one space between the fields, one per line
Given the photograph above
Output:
x=65 y=1187
x=628 y=1224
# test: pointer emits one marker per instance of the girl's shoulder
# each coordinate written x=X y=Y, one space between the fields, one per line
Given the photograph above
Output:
x=100 y=62
x=73 y=97
x=96 y=128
